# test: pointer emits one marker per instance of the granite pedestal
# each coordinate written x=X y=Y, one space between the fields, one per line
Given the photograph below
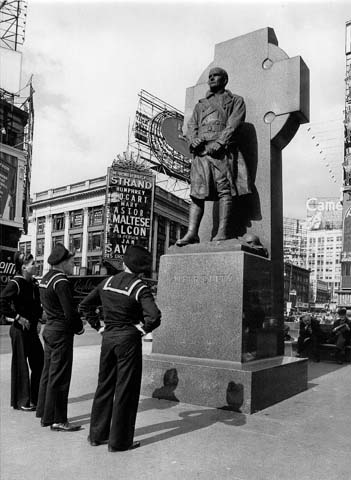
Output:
x=218 y=342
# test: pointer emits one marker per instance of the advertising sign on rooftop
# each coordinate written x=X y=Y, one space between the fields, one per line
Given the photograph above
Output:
x=129 y=208
x=348 y=38
x=324 y=213
x=7 y=267
x=8 y=186
x=347 y=232
x=11 y=65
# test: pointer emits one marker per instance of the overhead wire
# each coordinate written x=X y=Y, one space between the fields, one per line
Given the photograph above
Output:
x=322 y=136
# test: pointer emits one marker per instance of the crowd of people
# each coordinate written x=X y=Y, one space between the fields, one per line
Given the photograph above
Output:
x=130 y=312
x=326 y=318
x=312 y=335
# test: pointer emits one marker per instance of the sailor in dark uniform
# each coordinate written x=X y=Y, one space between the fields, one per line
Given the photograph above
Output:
x=20 y=303
x=63 y=321
x=129 y=312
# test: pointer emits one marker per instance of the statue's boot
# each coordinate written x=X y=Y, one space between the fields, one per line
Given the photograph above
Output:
x=195 y=215
x=225 y=211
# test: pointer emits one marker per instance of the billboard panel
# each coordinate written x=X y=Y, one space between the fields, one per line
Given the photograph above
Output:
x=347 y=231
x=141 y=127
x=158 y=132
x=10 y=67
x=8 y=186
x=129 y=208
x=7 y=267
x=324 y=213
x=348 y=38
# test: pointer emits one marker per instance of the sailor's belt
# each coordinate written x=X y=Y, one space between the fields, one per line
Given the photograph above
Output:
x=211 y=128
x=17 y=324
x=210 y=136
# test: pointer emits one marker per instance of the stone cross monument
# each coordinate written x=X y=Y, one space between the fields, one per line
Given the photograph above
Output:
x=276 y=92
x=222 y=329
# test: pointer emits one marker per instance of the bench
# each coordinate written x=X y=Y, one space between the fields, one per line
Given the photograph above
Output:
x=332 y=348
x=290 y=347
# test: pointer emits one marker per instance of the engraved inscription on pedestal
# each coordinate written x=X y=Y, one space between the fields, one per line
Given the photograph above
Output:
x=223 y=314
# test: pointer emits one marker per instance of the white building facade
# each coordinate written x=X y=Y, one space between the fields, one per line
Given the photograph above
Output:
x=323 y=258
x=75 y=216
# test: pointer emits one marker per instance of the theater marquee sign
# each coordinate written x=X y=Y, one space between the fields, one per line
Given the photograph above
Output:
x=129 y=208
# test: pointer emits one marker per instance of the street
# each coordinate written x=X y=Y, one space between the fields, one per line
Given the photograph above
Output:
x=306 y=437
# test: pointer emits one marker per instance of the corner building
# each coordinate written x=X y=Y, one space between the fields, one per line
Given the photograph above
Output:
x=323 y=258
x=315 y=244
x=75 y=216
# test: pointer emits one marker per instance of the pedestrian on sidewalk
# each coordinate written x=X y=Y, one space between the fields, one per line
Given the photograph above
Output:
x=129 y=313
x=63 y=321
x=341 y=334
x=20 y=303
x=310 y=335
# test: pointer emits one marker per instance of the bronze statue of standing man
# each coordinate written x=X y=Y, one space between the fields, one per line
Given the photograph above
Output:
x=218 y=170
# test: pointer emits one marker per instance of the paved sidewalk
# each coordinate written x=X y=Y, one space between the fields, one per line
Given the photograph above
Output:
x=305 y=437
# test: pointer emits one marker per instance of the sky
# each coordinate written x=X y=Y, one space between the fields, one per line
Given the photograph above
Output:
x=90 y=60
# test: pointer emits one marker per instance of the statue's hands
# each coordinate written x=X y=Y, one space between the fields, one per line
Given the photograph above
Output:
x=213 y=148
x=196 y=143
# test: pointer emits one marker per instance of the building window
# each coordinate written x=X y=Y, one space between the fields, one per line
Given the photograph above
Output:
x=96 y=216
x=58 y=222
x=25 y=247
x=76 y=219
x=160 y=247
x=161 y=229
x=183 y=231
x=75 y=242
x=160 y=250
x=77 y=265
x=93 y=266
x=40 y=247
x=40 y=266
x=94 y=241
x=172 y=232
x=41 y=226
x=57 y=239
